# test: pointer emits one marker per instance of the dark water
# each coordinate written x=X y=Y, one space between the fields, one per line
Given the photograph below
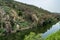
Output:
x=53 y=29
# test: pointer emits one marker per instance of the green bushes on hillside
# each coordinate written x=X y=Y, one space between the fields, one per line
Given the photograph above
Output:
x=54 y=36
x=33 y=36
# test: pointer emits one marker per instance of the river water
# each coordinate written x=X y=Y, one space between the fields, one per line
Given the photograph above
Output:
x=53 y=29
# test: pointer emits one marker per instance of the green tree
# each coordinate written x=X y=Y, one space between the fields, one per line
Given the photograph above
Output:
x=33 y=36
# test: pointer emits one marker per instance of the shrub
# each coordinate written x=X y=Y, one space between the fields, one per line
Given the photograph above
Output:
x=33 y=36
x=54 y=36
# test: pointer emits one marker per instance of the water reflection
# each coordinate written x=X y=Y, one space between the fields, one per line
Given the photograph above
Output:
x=54 y=28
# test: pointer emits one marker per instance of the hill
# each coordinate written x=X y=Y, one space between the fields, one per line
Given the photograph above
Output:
x=16 y=16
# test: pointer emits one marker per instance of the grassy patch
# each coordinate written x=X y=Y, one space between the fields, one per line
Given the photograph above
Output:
x=54 y=36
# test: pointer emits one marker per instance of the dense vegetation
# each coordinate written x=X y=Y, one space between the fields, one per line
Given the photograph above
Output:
x=18 y=19
x=33 y=36
x=54 y=36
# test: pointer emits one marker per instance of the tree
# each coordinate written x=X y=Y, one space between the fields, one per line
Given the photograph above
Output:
x=33 y=36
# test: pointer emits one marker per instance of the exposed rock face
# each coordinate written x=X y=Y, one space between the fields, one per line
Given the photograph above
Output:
x=2 y=13
x=8 y=24
x=5 y=20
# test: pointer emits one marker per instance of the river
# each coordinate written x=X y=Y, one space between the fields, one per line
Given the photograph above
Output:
x=53 y=29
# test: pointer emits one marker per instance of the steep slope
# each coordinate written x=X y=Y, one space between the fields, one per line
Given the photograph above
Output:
x=18 y=16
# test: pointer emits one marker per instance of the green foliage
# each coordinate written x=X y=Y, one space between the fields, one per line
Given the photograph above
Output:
x=33 y=36
x=2 y=30
x=24 y=24
x=6 y=9
x=54 y=36
x=20 y=13
x=14 y=36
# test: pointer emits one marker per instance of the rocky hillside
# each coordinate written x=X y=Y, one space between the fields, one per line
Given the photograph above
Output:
x=18 y=16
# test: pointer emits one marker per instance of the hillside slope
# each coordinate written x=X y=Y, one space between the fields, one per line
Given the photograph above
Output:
x=18 y=16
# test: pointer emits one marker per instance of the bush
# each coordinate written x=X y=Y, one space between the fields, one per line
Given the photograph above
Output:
x=24 y=24
x=54 y=36
x=33 y=36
